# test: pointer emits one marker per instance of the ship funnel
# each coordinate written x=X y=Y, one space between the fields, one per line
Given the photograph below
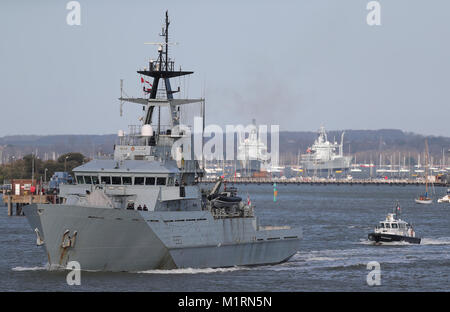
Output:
x=341 y=149
x=147 y=131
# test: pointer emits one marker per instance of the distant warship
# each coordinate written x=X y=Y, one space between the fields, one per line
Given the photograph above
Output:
x=144 y=210
x=251 y=153
x=322 y=155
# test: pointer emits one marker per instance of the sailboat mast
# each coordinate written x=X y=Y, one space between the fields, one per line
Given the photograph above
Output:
x=426 y=166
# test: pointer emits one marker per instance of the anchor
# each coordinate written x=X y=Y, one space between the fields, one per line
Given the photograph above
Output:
x=39 y=240
x=66 y=243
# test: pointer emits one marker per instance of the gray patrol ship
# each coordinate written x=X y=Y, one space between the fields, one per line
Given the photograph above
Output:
x=144 y=208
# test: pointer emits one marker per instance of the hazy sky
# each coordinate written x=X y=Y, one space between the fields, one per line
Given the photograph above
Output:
x=298 y=64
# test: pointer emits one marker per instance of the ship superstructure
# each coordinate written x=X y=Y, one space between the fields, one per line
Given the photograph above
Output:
x=251 y=153
x=324 y=155
x=143 y=209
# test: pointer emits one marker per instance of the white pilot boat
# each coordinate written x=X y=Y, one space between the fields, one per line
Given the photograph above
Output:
x=446 y=198
x=394 y=229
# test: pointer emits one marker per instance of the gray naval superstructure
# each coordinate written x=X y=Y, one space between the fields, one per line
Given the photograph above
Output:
x=324 y=155
x=144 y=208
x=251 y=152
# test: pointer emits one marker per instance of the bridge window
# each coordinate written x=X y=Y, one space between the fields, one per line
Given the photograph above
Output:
x=139 y=180
x=160 y=181
x=105 y=180
x=88 y=179
x=388 y=226
x=116 y=180
x=149 y=181
x=381 y=225
x=126 y=180
x=80 y=180
x=94 y=180
x=394 y=225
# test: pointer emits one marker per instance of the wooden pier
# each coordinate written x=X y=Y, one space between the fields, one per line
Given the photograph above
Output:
x=21 y=200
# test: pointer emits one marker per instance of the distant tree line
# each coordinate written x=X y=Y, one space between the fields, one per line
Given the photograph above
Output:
x=23 y=168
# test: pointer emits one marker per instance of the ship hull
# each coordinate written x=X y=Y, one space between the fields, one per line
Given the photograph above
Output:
x=342 y=163
x=387 y=238
x=248 y=167
x=109 y=239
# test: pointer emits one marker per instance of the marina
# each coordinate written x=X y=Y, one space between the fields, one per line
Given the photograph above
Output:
x=325 y=181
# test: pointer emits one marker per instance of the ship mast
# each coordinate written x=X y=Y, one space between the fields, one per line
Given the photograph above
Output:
x=162 y=69
x=165 y=33
x=162 y=139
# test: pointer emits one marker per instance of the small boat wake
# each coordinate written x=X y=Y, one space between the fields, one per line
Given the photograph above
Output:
x=372 y=243
x=436 y=241
x=359 y=257
x=424 y=241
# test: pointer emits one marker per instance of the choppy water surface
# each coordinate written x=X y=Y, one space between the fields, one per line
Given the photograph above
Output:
x=333 y=255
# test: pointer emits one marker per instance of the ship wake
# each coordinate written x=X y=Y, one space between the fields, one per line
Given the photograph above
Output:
x=194 y=271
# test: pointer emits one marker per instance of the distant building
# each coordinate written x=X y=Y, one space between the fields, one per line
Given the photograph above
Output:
x=21 y=186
